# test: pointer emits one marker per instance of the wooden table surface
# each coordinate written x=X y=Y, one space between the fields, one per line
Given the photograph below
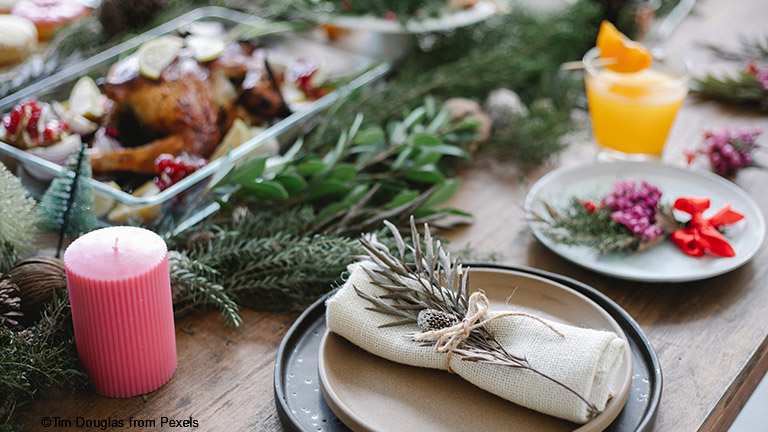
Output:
x=710 y=336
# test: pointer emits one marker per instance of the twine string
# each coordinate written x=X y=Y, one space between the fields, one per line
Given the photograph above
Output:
x=449 y=338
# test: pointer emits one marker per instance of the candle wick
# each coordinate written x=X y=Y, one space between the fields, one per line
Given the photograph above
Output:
x=115 y=246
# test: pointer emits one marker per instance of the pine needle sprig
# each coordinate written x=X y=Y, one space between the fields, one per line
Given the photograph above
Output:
x=749 y=49
x=265 y=260
x=574 y=225
x=193 y=286
x=38 y=357
x=433 y=281
x=742 y=89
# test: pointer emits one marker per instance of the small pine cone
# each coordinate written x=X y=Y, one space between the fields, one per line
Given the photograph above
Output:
x=433 y=319
x=10 y=302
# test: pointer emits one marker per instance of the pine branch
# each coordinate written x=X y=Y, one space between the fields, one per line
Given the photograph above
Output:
x=576 y=226
x=37 y=358
x=749 y=49
x=742 y=89
x=194 y=286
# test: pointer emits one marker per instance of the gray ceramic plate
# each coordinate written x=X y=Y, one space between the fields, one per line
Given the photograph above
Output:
x=301 y=406
x=371 y=394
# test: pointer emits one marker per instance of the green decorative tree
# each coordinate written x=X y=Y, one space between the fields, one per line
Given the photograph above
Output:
x=66 y=205
x=18 y=219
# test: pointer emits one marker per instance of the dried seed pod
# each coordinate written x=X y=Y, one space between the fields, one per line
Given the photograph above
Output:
x=433 y=319
x=37 y=278
x=10 y=302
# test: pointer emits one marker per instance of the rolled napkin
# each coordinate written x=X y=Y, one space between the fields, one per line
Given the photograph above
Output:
x=583 y=359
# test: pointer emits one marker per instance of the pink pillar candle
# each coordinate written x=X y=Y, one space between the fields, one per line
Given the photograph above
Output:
x=120 y=292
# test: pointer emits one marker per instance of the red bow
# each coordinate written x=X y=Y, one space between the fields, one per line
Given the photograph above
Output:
x=702 y=234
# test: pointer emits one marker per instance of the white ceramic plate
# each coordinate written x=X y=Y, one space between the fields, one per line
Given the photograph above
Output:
x=664 y=262
x=453 y=19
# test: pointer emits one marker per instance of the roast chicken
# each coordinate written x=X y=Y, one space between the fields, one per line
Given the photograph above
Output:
x=183 y=108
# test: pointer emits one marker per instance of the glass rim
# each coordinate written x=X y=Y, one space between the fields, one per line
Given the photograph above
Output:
x=682 y=77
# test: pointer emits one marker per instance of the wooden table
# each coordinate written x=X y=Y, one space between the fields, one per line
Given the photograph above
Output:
x=710 y=336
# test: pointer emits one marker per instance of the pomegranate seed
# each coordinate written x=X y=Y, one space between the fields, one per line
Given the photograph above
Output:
x=48 y=134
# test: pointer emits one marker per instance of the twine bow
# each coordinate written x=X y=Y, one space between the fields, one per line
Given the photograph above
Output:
x=449 y=338
x=702 y=234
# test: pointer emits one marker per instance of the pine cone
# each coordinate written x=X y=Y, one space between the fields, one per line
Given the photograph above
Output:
x=119 y=15
x=433 y=319
x=37 y=278
x=10 y=302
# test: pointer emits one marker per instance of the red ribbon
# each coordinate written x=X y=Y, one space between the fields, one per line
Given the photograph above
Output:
x=702 y=234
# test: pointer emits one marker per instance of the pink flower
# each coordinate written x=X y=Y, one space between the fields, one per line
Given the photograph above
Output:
x=635 y=208
x=728 y=151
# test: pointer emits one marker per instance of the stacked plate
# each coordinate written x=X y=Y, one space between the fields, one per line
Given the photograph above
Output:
x=324 y=383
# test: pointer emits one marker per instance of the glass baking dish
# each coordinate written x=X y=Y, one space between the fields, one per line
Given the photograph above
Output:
x=175 y=203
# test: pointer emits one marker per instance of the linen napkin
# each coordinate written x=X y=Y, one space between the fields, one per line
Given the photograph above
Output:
x=586 y=360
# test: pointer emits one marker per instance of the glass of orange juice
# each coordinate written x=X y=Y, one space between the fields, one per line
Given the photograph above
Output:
x=632 y=113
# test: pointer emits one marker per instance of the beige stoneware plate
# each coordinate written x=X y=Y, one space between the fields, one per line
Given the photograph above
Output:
x=369 y=393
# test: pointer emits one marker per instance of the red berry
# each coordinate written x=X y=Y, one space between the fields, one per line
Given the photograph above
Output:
x=48 y=134
x=390 y=16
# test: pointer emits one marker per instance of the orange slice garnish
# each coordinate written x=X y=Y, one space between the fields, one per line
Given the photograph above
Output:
x=630 y=56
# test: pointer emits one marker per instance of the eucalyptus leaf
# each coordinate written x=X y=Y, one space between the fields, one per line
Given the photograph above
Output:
x=310 y=167
x=249 y=171
x=446 y=190
x=268 y=189
x=327 y=188
x=291 y=181
x=426 y=140
x=368 y=136
x=343 y=172
x=403 y=197
x=426 y=174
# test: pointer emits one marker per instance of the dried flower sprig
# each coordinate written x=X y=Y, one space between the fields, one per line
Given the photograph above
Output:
x=729 y=151
x=434 y=291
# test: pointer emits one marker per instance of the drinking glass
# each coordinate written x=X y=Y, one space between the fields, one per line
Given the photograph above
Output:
x=632 y=113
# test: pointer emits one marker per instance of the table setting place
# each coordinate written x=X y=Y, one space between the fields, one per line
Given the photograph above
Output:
x=437 y=215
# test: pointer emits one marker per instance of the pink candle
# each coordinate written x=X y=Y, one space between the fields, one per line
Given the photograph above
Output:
x=120 y=291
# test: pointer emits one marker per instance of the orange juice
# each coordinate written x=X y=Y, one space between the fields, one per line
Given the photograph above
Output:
x=632 y=113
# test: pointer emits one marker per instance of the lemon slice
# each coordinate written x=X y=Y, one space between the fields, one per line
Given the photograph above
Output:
x=103 y=203
x=238 y=134
x=157 y=54
x=123 y=213
x=205 y=48
x=86 y=99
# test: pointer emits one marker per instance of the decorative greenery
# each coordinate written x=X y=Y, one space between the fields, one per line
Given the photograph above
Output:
x=749 y=86
x=397 y=10
x=750 y=49
x=65 y=206
x=37 y=358
x=432 y=291
x=521 y=51
x=370 y=174
x=576 y=225
x=261 y=260
x=18 y=219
